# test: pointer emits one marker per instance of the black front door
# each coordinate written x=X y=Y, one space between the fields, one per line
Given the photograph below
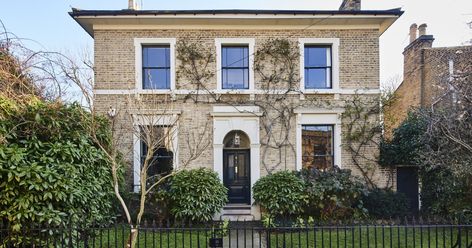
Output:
x=407 y=183
x=236 y=175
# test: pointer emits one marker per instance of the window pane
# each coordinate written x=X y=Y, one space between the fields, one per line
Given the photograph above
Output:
x=317 y=78
x=160 y=138
x=317 y=56
x=158 y=56
x=156 y=78
x=235 y=56
x=235 y=78
x=317 y=146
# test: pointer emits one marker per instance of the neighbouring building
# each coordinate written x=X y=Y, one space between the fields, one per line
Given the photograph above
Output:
x=427 y=74
x=259 y=113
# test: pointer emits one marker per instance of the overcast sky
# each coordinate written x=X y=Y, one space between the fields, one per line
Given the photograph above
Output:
x=48 y=23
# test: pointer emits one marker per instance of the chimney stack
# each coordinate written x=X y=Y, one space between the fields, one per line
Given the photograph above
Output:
x=132 y=5
x=422 y=29
x=413 y=29
x=350 y=5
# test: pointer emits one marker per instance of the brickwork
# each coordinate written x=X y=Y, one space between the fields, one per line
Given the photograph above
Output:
x=115 y=69
x=426 y=73
x=115 y=53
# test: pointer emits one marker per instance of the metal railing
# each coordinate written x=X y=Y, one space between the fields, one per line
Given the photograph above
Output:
x=243 y=234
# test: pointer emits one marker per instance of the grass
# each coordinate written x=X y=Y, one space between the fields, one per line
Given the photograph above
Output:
x=349 y=237
x=370 y=236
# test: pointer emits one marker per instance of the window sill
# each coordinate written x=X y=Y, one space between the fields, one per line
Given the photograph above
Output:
x=321 y=91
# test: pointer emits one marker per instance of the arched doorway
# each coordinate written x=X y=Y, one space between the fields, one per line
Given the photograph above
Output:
x=236 y=167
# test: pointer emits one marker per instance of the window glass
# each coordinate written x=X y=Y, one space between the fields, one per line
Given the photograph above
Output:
x=317 y=67
x=317 y=146
x=160 y=139
x=235 y=67
x=156 y=67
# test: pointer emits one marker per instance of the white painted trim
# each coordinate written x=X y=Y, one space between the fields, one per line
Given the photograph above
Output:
x=318 y=111
x=157 y=120
x=238 y=27
x=234 y=41
x=334 y=43
x=222 y=125
x=138 y=45
x=328 y=118
x=234 y=92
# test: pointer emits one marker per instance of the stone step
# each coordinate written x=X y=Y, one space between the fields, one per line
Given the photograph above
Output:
x=237 y=206
x=237 y=217
x=236 y=212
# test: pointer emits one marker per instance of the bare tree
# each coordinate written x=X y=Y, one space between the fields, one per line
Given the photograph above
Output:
x=58 y=77
x=155 y=121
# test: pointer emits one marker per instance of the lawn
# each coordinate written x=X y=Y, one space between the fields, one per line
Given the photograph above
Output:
x=358 y=236
x=370 y=236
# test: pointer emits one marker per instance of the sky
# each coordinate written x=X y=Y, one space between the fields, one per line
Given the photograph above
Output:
x=48 y=26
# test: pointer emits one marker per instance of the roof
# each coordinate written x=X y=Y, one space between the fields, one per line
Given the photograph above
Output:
x=89 y=19
x=128 y=12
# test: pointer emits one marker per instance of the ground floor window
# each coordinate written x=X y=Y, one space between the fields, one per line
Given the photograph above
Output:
x=317 y=146
x=159 y=140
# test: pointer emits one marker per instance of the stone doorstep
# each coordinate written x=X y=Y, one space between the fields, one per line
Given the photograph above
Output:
x=237 y=217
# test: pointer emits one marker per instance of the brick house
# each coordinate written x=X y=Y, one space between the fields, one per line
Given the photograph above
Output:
x=426 y=71
x=426 y=76
x=337 y=57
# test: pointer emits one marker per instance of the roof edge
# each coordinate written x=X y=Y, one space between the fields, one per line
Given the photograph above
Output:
x=128 y=12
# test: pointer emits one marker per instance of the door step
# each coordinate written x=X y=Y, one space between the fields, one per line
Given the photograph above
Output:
x=237 y=217
x=237 y=206
x=237 y=212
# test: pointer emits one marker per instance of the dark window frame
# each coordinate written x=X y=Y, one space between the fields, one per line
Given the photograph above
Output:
x=225 y=68
x=333 y=150
x=143 y=67
x=327 y=67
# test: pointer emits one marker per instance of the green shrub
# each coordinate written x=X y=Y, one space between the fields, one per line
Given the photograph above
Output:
x=383 y=203
x=50 y=169
x=197 y=194
x=280 y=193
x=333 y=194
x=407 y=141
x=444 y=194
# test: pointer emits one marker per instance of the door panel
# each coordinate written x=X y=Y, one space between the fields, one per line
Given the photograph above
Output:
x=236 y=175
x=407 y=183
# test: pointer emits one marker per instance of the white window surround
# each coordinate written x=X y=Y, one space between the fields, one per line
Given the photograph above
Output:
x=320 y=117
x=138 y=47
x=334 y=43
x=154 y=120
x=219 y=42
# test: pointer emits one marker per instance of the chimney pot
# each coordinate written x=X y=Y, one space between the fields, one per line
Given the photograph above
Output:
x=422 y=29
x=413 y=29
x=350 y=5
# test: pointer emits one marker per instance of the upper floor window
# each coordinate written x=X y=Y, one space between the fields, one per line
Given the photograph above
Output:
x=318 y=63
x=156 y=67
x=235 y=67
x=317 y=146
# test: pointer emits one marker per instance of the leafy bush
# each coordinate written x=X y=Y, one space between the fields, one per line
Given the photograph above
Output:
x=443 y=193
x=50 y=169
x=280 y=193
x=197 y=194
x=407 y=141
x=383 y=203
x=333 y=194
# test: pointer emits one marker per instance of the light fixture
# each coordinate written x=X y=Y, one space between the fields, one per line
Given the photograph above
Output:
x=237 y=139
x=111 y=112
